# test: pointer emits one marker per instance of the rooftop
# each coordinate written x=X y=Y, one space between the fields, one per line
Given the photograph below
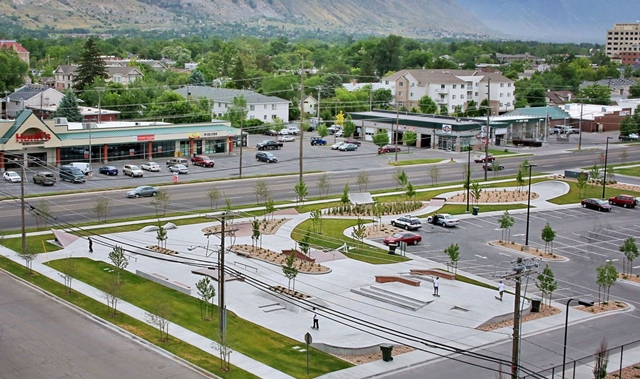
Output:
x=226 y=95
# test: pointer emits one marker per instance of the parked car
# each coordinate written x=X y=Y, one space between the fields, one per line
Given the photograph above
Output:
x=269 y=145
x=597 y=204
x=72 y=174
x=407 y=237
x=132 y=171
x=293 y=130
x=12 y=176
x=443 y=219
x=353 y=141
x=175 y=161
x=348 y=147
x=44 y=178
x=285 y=132
x=143 y=191
x=271 y=132
x=339 y=133
x=388 y=149
x=407 y=222
x=484 y=159
x=491 y=167
x=202 y=160
x=317 y=141
x=286 y=139
x=82 y=166
x=150 y=166
x=334 y=128
x=179 y=168
x=108 y=170
x=630 y=137
x=336 y=145
x=626 y=201
x=262 y=156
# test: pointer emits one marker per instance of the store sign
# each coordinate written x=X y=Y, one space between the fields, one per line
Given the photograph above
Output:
x=34 y=137
x=194 y=135
x=145 y=137
x=446 y=129
x=210 y=134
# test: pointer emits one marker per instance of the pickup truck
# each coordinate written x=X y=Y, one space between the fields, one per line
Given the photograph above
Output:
x=269 y=145
x=317 y=141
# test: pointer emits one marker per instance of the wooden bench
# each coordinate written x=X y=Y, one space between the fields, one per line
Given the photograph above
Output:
x=389 y=279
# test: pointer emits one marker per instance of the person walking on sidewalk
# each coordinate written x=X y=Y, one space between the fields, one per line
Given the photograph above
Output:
x=500 y=290
x=315 y=320
x=435 y=286
x=90 y=245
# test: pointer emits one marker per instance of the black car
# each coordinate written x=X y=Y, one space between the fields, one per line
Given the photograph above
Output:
x=597 y=204
x=492 y=167
x=108 y=170
x=263 y=156
x=407 y=222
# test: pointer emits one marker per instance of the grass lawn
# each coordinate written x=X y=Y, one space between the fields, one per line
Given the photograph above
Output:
x=456 y=209
x=243 y=336
x=139 y=328
x=36 y=244
x=497 y=152
x=633 y=171
x=416 y=162
x=572 y=196
x=332 y=238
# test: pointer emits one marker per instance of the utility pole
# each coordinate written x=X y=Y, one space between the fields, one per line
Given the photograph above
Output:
x=241 y=143
x=301 y=114
x=580 y=125
x=488 y=135
x=99 y=90
x=395 y=135
x=318 y=107
x=22 y=205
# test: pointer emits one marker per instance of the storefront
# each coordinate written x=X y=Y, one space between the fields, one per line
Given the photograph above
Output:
x=58 y=142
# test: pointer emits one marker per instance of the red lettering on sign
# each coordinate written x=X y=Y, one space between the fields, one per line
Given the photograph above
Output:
x=146 y=137
x=36 y=137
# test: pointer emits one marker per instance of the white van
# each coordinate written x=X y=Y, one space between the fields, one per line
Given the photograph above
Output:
x=82 y=166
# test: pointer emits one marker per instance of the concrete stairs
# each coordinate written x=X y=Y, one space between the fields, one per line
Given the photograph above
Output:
x=390 y=297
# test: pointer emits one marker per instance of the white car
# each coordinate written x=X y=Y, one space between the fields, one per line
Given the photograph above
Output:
x=150 y=166
x=179 y=168
x=286 y=139
x=339 y=133
x=12 y=176
x=443 y=219
x=336 y=146
x=284 y=132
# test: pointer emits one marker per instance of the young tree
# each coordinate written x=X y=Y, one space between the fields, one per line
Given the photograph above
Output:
x=409 y=138
x=255 y=233
x=262 y=191
x=411 y=191
x=582 y=184
x=362 y=180
x=301 y=191
x=548 y=235
x=160 y=202
x=91 y=66
x=68 y=108
x=434 y=173
x=401 y=178
x=102 y=208
x=324 y=185
x=594 y=174
x=453 y=252
x=119 y=259
x=349 y=127
x=630 y=251
x=602 y=360
x=506 y=222
x=606 y=277
x=427 y=105
x=304 y=243
x=160 y=318
x=197 y=78
x=289 y=270
x=344 y=199
x=162 y=236
x=381 y=138
x=495 y=167
x=28 y=256
x=269 y=208
x=112 y=294
x=624 y=155
x=466 y=176
x=42 y=213
x=69 y=272
x=359 y=231
x=213 y=194
x=476 y=191
x=547 y=283
x=316 y=221
x=323 y=131
x=206 y=293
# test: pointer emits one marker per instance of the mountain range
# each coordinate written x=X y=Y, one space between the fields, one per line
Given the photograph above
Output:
x=542 y=20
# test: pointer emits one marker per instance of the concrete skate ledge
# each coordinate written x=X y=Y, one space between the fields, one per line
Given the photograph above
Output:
x=400 y=279
x=343 y=350
x=433 y=272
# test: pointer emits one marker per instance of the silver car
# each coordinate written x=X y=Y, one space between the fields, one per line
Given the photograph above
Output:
x=179 y=168
x=150 y=166
x=143 y=191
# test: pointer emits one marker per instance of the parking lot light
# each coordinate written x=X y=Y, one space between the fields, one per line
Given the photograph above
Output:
x=566 y=323
x=606 y=156
x=526 y=238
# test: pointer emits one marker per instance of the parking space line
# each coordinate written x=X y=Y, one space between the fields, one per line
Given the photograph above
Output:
x=471 y=223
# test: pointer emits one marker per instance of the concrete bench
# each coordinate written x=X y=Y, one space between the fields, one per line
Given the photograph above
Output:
x=438 y=273
x=389 y=279
x=160 y=276
x=182 y=285
x=242 y=253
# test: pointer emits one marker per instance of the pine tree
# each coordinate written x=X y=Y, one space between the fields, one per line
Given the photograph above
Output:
x=91 y=66
x=68 y=108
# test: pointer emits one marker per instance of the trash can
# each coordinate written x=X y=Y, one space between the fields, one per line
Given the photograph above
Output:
x=475 y=211
x=535 y=304
x=386 y=352
x=392 y=248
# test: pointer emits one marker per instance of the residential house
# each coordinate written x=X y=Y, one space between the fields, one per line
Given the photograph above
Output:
x=618 y=87
x=451 y=88
x=559 y=97
x=310 y=105
x=111 y=61
x=38 y=98
x=261 y=107
x=65 y=75
x=18 y=48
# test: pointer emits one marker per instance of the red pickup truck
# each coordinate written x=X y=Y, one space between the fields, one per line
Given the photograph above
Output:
x=202 y=160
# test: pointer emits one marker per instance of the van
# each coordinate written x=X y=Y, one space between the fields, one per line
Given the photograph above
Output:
x=82 y=166
x=175 y=161
x=72 y=174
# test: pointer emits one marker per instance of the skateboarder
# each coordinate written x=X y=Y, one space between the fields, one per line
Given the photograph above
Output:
x=90 y=245
x=315 y=320
x=500 y=290
x=435 y=286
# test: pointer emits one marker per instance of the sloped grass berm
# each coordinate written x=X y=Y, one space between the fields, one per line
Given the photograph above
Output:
x=253 y=340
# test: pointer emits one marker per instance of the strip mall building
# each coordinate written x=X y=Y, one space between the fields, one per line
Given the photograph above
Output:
x=59 y=142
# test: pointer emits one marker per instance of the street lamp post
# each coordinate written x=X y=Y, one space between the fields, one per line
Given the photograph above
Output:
x=526 y=238
x=606 y=156
x=566 y=323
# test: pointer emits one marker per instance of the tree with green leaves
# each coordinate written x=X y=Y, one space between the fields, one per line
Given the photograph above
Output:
x=304 y=243
x=102 y=208
x=239 y=76
x=594 y=174
x=596 y=94
x=344 y=199
x=349 y=127
x=582 y=184
x=453 y=252
x=506 y=222
x=13 y=69
x=362 y=180
x=28 y=256
x=411 y=191
x=401 y=178
x=119 y=259
x=255 y=233
x=213 y=194
x=630 y=251
x=606 y=277
x=68 y=108
x=409 y=138
x=261 y=191
x=206 y=293
x=162 y=236
x=91 y=66
x=547 y=284
x=519 y=180
x=359 y=231
x=602 y=360
x=322 y=130
x=381 y=138
x=628 y=126
x=316 y=221
x=427 y=105
x=269 y=207
x=476 y=191
x=434 y=173
x=324 y=185
x=443 y=110
x=171 y=106
x=197 y=78
x=472 y=109
x=548 y=235
x=160 y=202
x=237 y=112
x=289 y=270
x=301 y=191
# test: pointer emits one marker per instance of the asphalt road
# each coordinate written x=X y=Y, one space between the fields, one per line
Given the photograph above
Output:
x=42 y=338
x=78 y=207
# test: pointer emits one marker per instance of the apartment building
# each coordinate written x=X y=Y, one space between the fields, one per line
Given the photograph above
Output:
x=623 y=43
x=451 y=88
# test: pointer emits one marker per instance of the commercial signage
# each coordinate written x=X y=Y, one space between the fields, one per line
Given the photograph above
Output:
x=446 y=129
x=145 y=137
x=210 y=134
x=194 y=135
x=35 y=137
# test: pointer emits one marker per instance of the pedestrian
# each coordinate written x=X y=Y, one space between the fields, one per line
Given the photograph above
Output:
x=315 y=320
x=90 y=245
x=500 y=290
x=435 y=286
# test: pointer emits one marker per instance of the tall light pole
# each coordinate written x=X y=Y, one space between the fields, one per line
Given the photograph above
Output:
x=566 y=323
x=301 y=115
x=580 y=125
x=99 y=90
x=606 y=157
x=488 y=136
x=526 y=238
